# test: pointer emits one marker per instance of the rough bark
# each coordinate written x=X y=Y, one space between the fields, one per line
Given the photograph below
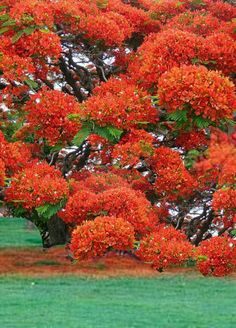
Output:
x=53 y=232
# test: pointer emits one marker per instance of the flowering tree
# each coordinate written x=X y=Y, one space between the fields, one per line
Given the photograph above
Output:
x=117 y=125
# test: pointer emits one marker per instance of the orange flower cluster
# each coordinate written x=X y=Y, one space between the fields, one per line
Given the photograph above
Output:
x=81 y=206
x=26 y=11
x=164 y=10
x=47 y=116
x=227 y=175
x=138 y=18
x=119 y=103
x=39 y=44
x=192 y=140
x=130 y=205
x=2 y=173
x=99 y=182
x=15 y=155
x=15 y=67
x=206 y=92
x=225 y=200
x=134 y=178
x=164 y=248
x=221 y=10
x=219 y=167
x=162 y=51
x=133 y=147
x=216 y=256
x=220 y=50
x=229 y=28
x=35 y=186
x=110 y=27
x=95 y=238
x=119 y=201
x=198 y=22
x=173 y=180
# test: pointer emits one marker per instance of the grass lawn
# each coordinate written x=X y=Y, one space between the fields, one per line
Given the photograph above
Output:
x=70 y=302
x=74 y=302
x=13 y=233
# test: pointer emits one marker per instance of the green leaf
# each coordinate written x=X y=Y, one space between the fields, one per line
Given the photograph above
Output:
x=233 y=232
x=3 y=30
x=191 y=158
x=178 y=116
x=4 y=17
x=201 y=122
x=116 y=133
x=10 y=22
x=32 y=84
x=2 y=8
x=48 y=210
x=202 y=258
x=108 y=132
x=74 y=117
x=19 y=212
x=29 y=30
x=82 y=135
x=17 y=36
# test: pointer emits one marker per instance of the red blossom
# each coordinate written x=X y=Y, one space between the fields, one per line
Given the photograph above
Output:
x=164 y=248
x=2 y=173
x=208 y=93
x=119 y=103
x=95 y=238
x=47 y=116
x=35 y=186
x=134 y=146
x=216 y=256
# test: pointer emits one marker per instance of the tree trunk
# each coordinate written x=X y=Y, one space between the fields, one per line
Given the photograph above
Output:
x=53 y=232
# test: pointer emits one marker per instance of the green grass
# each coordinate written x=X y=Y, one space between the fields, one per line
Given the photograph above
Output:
x=13 y=233
x=69 y=302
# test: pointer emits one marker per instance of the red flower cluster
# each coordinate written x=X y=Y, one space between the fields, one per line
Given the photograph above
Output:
x=111 y=27
x=39 y=44
x=16 y=68
x=95 y=238
x=123 y=202
x=163 y=10
x=47 y=116
x=216 y=256
x=198 y=22
x=15 y=155
x=2 y=173
x=35 y=186
x=221 y=10
x=130 y=205
x=220 y=51
x=225 y=200
x=207 y=92
x=162 y=51
x=119 y=103
x=173 y=180
x=38 y=11
x=134 y=178
x=99 y=182
x=137 y=17
x=165 y=247
x=134 y=146
x=227 y=175
x=192 y=140
x=81 y=206
x=220 y=165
